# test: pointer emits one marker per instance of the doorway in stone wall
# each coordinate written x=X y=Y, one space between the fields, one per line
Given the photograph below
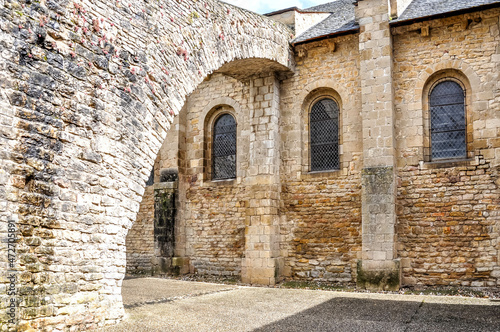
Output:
x=151 y=240
x=165 y=198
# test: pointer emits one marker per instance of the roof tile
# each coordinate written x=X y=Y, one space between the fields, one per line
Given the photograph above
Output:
x=342 y=17
x=425 y=8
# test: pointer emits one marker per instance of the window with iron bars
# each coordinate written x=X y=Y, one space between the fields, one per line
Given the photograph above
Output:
x=224 y=148
x=447 y=121
x=324 y=135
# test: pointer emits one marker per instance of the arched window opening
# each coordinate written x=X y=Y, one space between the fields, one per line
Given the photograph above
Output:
x=324 y=135
x=448 y=121
x=224 y=148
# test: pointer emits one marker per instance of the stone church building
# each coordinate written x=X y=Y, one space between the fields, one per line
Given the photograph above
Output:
x=377 y=161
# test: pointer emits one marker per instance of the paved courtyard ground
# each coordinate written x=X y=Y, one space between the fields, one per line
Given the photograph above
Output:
x=154 y=304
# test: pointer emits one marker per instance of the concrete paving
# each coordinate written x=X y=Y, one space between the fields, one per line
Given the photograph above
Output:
x=141 y=291
x=171 y=305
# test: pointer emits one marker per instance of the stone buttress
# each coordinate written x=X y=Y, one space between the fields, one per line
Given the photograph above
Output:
x=378 y=267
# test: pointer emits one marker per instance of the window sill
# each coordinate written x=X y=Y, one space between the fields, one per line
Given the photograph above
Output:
x=222 y=182
x=323 y=174
x=448 y=163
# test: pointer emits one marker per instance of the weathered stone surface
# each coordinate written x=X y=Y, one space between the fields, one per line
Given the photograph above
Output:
x=376 y=275
x=169 y=175
x=321 y=236
x=88 y=90
x=448 y=213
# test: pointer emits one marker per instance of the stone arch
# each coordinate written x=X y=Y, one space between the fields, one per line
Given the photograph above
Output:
x=328 y=84
x=458 y=65
x=209 y=108
x=86 y=130
x=451 y=66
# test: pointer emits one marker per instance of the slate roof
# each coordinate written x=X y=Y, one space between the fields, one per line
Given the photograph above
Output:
x=329 y=7
x=341 y=20
x=342 y=15
x=425 y=8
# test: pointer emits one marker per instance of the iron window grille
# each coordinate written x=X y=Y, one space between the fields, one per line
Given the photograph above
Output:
x=224 y=148
x=448 y=121
x=324 y=135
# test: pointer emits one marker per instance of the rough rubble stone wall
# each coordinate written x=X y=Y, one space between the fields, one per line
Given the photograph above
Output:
x=448 y=214
x=321 y=218
x=88 y=89
x=448 y=225
x=313 y=250
x=213 y=213
x=140 y=241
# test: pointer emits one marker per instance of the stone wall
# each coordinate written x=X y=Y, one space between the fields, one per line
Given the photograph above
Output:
x=88 y=90
x=140 y=245
x=448 y=213
x=168 y=156
x=140 y=239
x=321 y=212
x=379 y=267
x=448 y=225
x=213 y=213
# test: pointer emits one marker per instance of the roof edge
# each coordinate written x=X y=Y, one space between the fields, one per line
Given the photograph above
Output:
x=397 y=23
x=281 y=11
x=298 y=10
x=331 y=35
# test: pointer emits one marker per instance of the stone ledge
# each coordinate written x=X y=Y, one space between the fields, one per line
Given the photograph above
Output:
x=379 y=275
x=165 y=185
x=448 y=163
x=182 y=263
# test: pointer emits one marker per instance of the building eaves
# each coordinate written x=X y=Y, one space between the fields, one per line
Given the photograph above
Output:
x=323 y=31
x=341 y=21
x=302 y=11
x=423 y=10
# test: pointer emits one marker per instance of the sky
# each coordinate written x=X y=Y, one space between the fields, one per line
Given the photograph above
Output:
x=267 y=6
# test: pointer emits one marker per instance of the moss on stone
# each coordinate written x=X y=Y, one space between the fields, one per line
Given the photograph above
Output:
x=387 y=279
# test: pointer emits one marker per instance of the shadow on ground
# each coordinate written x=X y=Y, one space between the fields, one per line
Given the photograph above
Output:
x=349 y=314
x=179 y=306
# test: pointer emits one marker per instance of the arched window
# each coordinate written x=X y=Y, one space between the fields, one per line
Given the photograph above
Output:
x=447 y=121
x=324 y=135
x=224 y=148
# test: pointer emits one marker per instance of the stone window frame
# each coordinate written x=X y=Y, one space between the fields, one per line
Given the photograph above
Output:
x=226 y=142
x=210 y=118
x=313 y=97
x=436 y=78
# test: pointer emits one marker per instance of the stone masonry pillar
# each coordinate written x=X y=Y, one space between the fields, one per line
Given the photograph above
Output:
x=261 y=264
x=378 y=267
